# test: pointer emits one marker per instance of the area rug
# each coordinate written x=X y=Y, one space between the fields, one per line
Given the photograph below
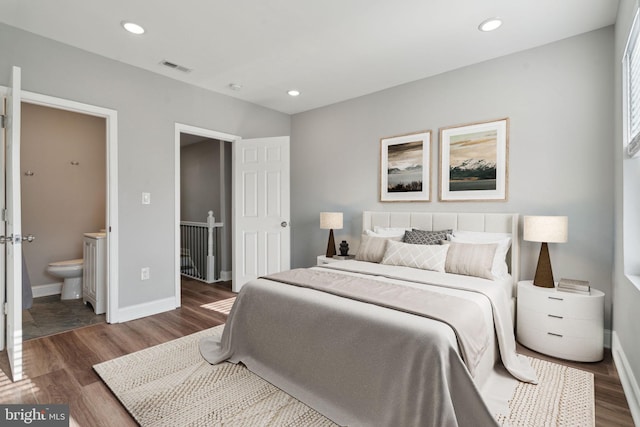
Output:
x=563 y=397
x=171 y=385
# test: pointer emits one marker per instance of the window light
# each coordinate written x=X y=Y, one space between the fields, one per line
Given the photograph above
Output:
x=632 y=93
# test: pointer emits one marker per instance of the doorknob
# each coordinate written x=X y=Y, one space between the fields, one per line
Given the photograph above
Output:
x=283 y=224
x=11 y=239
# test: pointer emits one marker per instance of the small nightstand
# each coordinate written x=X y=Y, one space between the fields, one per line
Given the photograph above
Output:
x=323 y=259
x=561 y=324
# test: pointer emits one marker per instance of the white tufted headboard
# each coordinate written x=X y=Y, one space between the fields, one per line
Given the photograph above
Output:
x=489 y=222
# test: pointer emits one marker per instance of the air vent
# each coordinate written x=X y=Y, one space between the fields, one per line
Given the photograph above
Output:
x=175 y=66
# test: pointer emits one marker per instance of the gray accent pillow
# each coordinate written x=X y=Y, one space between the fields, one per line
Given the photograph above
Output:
x=424 y=237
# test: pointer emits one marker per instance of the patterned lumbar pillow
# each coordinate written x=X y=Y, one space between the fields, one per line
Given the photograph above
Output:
x=425 y=257
x=424 y=237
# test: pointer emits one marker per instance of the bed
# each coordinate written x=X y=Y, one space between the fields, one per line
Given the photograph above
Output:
x=392 y=341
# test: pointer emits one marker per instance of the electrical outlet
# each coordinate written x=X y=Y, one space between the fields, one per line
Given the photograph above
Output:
x=146 y=198
x=144 y=273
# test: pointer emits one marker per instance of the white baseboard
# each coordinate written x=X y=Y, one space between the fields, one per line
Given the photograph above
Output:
x=143 y=310
x=628 y=380
x=46 y=290
x=225 y=275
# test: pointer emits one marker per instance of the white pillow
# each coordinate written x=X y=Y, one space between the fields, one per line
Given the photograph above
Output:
x=372 y=248
x=386 y=231
x=425 y=257
x=499 y=267
x=471 y=259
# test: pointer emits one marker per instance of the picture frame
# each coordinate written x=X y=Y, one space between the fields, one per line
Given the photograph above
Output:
x=405 y=168
x=474 y=162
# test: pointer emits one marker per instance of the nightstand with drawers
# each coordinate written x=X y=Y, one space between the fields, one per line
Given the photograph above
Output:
x=561 y=324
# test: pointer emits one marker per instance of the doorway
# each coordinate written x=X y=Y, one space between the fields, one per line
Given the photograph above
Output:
x=110 y=206
x=63 y=193
x=260 y=205
x=203 y=183
x=205 y=187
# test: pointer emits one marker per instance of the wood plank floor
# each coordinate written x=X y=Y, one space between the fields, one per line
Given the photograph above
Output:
x=58 y=368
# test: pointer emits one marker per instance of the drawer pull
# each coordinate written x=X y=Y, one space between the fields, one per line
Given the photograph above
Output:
x=555 y=335
x=556 y=298
x=555 y=317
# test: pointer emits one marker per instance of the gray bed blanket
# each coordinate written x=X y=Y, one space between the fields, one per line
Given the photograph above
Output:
x=473 y=336
x=357 y=363
x=517 y=365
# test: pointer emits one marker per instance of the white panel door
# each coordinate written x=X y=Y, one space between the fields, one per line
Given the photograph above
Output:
x=13 y=240
x=3 y=269
x=262 y=234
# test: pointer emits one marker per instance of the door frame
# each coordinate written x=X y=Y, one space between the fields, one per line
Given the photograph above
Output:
x=206 y=133
x=111 y=136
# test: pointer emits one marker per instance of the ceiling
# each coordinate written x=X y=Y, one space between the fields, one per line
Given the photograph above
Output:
x=329 y=50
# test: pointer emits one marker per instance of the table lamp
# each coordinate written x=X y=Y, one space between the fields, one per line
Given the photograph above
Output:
x=329 y=221
x=545 y=229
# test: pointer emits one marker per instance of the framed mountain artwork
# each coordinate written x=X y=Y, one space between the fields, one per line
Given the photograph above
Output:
x=405 y=168
x=474 y=162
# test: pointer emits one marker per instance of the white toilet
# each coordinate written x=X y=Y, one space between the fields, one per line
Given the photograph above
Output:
x=71 y=272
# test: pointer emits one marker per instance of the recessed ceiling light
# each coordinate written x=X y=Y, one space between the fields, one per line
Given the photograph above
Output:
x=490 y=24
x=132 y=27
x=294 y=92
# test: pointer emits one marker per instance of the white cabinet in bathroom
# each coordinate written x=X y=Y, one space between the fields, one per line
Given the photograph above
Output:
x=94 y=273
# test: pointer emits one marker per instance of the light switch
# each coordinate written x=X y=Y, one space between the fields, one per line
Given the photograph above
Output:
x=146 y=198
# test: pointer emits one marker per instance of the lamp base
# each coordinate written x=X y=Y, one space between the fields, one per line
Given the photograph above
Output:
x=544 y=275
x=331 y=245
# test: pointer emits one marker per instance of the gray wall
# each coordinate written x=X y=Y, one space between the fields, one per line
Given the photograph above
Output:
x=60 y=201
x=148 y=107
x=626 y=321
x=559 y=101
x=200 y=180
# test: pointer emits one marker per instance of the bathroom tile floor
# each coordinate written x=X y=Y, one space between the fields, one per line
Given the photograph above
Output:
x=50 y=315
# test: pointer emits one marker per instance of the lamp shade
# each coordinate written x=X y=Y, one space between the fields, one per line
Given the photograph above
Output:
x=549 y=229
x=331 y=220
